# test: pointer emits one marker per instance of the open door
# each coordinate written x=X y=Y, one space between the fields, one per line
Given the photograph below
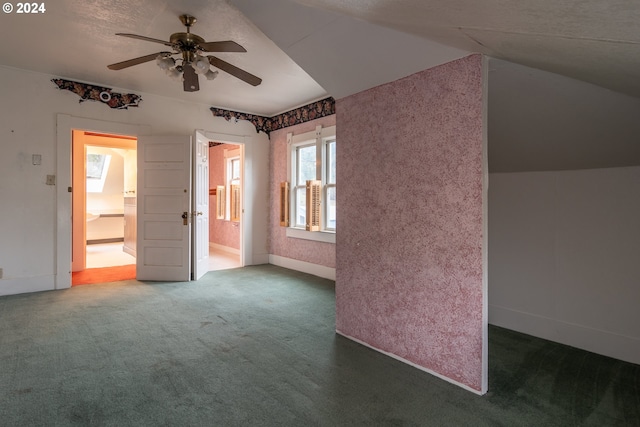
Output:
x=200 y=206
x=164 y=194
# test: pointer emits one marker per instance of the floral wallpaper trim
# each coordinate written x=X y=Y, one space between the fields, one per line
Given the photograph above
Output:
x=87 y=92
x=315 y=110
x=215 y=144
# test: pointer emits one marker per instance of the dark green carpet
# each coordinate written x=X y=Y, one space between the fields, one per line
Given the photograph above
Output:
x=256 y=347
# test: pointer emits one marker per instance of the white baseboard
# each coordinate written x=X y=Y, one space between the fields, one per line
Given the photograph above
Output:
x=422 y=368
x=223 y=248
x=303 y=266
x=594 y=340
x=25 y=285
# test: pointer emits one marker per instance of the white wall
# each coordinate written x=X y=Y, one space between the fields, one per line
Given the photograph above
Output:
x=564 y=257
x=28 y=223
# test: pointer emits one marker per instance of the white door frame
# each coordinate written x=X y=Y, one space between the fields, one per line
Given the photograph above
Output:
x=65 y=124
x=246 y=209
x=79 y=224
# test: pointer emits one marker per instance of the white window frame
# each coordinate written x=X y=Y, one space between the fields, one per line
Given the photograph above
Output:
x=320 y=137
x=325 y=182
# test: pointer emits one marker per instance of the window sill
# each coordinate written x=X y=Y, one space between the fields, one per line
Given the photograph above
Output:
x=318 y=236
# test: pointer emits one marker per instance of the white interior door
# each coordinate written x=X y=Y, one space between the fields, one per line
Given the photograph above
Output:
x=200 y=206
x=164 y=194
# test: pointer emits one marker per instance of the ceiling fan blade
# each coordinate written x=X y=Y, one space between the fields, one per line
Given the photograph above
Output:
x=225 y=46
x=235 y=71
x=149 y=39
x=135 y=61
x=191 y=83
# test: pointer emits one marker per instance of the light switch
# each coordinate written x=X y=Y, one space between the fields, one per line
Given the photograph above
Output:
x=36 y=159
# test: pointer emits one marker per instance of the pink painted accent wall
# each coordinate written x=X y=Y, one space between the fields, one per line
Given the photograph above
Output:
x=409 y=243
x=279 y=244
x=222 y=232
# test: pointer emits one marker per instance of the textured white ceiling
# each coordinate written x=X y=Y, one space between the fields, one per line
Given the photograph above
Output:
x=76 y=39
x=597 y=41
x=345 y=55
x=594 y=41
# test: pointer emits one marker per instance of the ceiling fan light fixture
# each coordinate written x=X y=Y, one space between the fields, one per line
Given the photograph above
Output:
x=210 y=75
x=165 y=62
x=200 y=65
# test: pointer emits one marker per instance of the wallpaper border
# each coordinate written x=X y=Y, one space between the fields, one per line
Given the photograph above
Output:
x=306 y=113
x=89 y=92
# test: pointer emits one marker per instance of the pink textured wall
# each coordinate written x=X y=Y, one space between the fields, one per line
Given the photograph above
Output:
x=222 y=232
x=409 y=244
x=279 y=244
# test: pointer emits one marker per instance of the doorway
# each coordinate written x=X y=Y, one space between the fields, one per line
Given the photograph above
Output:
x=103 y=201
x=253 y=232
x=226 y=166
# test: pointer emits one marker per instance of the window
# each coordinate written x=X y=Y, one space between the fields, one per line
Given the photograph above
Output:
x=330 y=186
x=312 y=174
x=232 y=193
x=305 y=167
x=235 y=169
x=97 y=168
x=95 y=165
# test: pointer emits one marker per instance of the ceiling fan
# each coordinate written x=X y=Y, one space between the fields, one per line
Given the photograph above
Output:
x=192 y=49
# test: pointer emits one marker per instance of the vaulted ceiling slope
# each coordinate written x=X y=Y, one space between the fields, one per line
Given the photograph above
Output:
x=589 y=40
x=542 y=121
x=344 y=54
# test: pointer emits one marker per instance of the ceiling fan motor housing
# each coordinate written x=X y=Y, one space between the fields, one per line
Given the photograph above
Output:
x=187 y=44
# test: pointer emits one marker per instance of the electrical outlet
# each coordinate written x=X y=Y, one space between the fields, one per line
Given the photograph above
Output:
x=51 y=180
